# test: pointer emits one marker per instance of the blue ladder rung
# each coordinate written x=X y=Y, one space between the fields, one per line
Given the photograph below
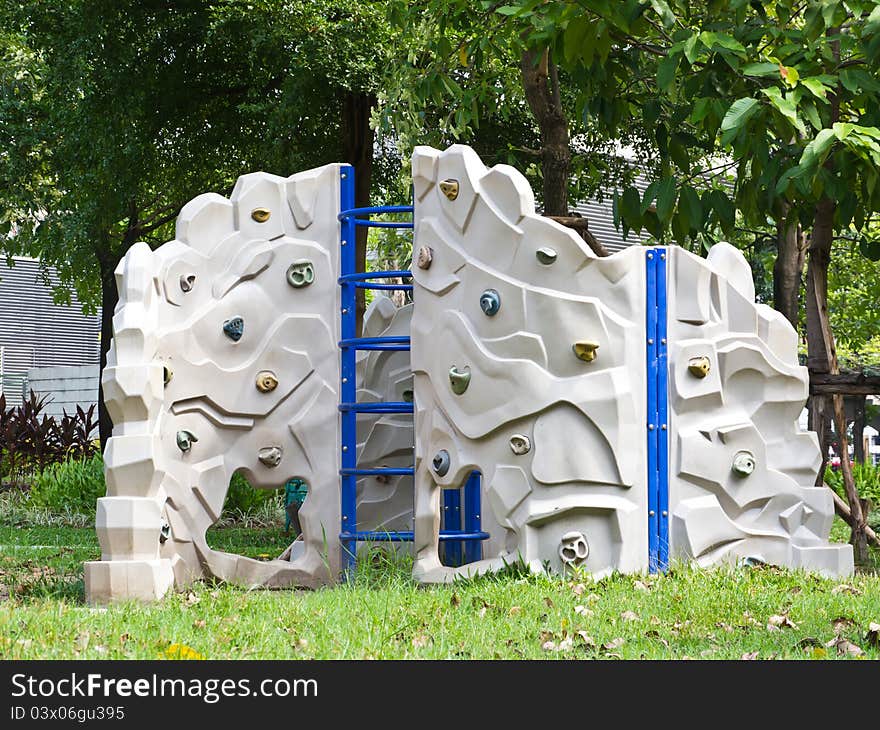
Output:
x=393 y=471
x=375 y=343
x=374 y=210
x=384 y=407
x=396 y=287
x=369 y=275
x=407 y=536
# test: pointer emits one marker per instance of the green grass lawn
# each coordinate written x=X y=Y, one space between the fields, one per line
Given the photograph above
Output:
x=759 y=612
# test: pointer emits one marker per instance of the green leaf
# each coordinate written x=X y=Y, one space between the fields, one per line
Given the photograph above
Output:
x=573 y=39
x=651 y=111
x=629 y=208
x=736 y=117
x=650 y=194
x=815 y=87
x=661 y=7
x=666 y=194
x=702 y=107
x=691 y=51
x=689 y=204
x=508 y=10
x=723 y=41
x=811 y=113
x=872 y=24
x=724 y=209
x=817 y=150
x=761 y=69
x=870 y=248
x=789 y=75
x=666 y=72
x=786 y=105
x=679 y=154
x=786 y=178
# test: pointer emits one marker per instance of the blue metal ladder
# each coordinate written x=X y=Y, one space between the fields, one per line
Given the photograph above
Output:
x=350 y=280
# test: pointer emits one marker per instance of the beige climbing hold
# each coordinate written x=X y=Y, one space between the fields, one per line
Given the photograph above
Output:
x=270 y=456
x=449 y=188
x=585 y=350
x=520 y=444
x=261 y=215
x=266 y=381
x=699 y=366
x=425 y=257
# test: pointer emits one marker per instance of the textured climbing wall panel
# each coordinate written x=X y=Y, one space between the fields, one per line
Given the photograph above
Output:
x=224 y=359
x=510 y=309
x=741 y=470
x=385 y=502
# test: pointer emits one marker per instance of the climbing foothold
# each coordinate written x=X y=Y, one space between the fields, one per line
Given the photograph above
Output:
x=441 y=462
x=546 y=256
x=425 y=257
x=490 y=302
x=164 y=532
x=459 y=380
x=699 y=366
x=743 y=463
x=185 y=440
x=585 y=350
x=408 y=395
x=449 y=188
x=234 y=328
x=520 y=444
x=300 y=274
x=266 y=381
x=187 y=281
x=270 y=456
x=167 y=374
x=574 y=548
x=261 y=215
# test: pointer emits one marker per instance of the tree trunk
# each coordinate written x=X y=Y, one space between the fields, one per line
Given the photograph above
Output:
x=822 y=357
x=540 y=79
x=859 y=430
x=357 y=146
x=788 y=267
x=108 y=262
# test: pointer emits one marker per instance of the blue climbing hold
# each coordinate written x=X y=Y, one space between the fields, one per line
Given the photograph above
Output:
x=234 y=328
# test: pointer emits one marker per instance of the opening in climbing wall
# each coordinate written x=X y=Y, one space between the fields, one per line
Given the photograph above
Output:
x=253 y=521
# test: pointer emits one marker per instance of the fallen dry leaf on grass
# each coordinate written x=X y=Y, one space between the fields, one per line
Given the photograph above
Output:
x=629 y=616
x=454 y=600
x=613 y=644
x=846 y=588
x=548 y=603
x=841 y=624
x=420 y=640
x=654 y=621
x=844 y=647
x=515 y=611
x=585 y=639
x=192 y=599
x=578 y=589
x=199 y=623
x=780 y=621
x=641 y=586
x=749 y=656
x=583 y=611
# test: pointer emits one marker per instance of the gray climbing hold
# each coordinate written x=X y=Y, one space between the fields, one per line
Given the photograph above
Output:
x=234 y=328
x=743 y=463
x=441 y=463
x=574 y=548
x=459 y=380
x=490 y=302
x=185 y=440
x=520 y=444
x=408 y=395
x=270 y=456
x=164 y=532
x=300 y=274
x=546 y=256
x=187 y=281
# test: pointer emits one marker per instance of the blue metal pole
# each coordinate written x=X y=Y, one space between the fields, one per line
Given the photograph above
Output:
x=452 y=523
x=651 y=366
x=473 y=550
x=348 y=384
x=662 y=416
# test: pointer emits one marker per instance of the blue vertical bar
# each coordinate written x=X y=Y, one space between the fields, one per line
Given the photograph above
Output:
x=651 y=366
x=348 y=384
x=662 y=416
x=473 y=549
x=452 y=522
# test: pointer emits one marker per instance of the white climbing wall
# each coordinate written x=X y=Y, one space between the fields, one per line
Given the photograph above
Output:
x=240 y=314
x=529 y=365
x=742 y=473
x=544 y=395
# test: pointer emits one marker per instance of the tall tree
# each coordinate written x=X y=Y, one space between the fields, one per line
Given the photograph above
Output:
x=116 y=113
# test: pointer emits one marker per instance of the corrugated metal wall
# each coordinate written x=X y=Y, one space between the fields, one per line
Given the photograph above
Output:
x=36 y=332
x=66 y=386
x=601 y=220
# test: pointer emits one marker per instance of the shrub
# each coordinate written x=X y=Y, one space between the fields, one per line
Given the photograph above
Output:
x=244 y=499
x=867 y=480
x=70 y=486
